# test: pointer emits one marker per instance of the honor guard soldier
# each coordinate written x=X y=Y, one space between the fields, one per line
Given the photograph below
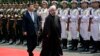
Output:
x=73 y=25
x=95 y=31
x=19 y=25
x=16 y=22
x=22 y=11
x=19 y=29
x=63 y=14
x=8 y=17
x=16 y=36
x=37 y=7
x=4 y=27
x=84 y=24
x=12 y=28
x=1 y=16
x=43 y=12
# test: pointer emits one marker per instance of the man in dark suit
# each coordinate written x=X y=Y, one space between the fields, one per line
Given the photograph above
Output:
x=30 y=28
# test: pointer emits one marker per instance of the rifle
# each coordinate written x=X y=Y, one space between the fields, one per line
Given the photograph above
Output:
x=90 y=22
x=1 y=23
x=8 y=21
x=15 y=22
x=68 y=21
x=79 y=22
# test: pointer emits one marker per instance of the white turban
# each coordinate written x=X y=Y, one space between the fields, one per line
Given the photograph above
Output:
x=52 y=7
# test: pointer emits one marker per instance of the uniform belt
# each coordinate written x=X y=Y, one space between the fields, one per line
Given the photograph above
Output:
x=73 y=21
x=11 y=19
x=84 y=22
x=19 y=19
x=95 y=22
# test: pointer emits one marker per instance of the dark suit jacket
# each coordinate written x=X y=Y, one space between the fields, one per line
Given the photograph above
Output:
x=28 y=25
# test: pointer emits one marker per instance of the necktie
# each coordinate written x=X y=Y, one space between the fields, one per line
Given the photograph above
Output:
x=32 y=16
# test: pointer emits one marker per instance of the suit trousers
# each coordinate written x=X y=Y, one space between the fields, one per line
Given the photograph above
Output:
x=31 y=42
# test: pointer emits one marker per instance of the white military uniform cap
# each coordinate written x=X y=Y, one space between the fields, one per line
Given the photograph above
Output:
x=95 y=1
x=83 y=1
x=64 y=2
x=74 y=1
x=44 y=2
x=54 y=2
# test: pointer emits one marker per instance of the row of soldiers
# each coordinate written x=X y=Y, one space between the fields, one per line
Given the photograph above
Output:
x=83 y=20
x=11 y=22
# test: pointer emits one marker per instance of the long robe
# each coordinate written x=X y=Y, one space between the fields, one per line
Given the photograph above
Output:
x=51 y=37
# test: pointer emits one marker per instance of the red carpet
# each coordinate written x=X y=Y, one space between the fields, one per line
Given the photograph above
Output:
x=15 y=52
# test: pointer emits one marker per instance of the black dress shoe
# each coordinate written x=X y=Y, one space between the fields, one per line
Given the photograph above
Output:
x=82 y=50
x=75 y=48
x=72 y=48
x=64 y=47
x=12 y=43
x=86 y=50
x=31 y=54
x=4 y=42
x=94 y=51
x=0 y=40
x=19 y=43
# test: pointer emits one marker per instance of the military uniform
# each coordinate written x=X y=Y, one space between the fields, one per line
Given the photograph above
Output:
x=11 y=25
x=4 y=27
x=37 y=7
x=84 y=25
x=12 y=28
x=43 y=13
x=22 y=11
x=63 y=14
x=1 y=23
x=95 y=26
x=73 y=25
x=8 y=16
x=1 y=15
x=19 y=29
